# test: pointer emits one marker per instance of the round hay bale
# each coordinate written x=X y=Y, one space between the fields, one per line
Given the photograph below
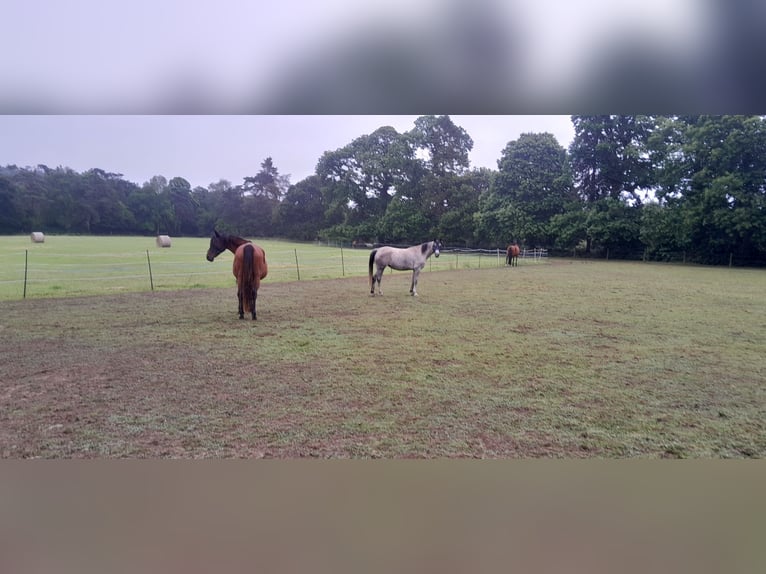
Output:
x=163 y=241
x=37 y=237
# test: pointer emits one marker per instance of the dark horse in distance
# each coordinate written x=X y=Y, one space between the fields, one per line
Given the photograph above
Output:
x=249 y=267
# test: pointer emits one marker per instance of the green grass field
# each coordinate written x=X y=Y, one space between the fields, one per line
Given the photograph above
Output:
x=67 y=266
x=564 y=359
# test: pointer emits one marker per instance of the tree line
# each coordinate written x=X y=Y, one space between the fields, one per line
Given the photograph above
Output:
x=658 y=187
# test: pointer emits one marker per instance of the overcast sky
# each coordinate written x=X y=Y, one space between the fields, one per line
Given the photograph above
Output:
x=378 y=56
x=206 y=149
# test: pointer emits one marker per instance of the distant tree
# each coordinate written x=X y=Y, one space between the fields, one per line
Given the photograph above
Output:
x=531 y=186
x=445 y=144
x=205 y=212
x=460 y=203
x=610 y=160
x=152 y=208
x=614 y=226
x=10 y=216
x=111 y=193
x=301 y=212
x=157 y=184
x=267 y=182
x=259 y=198
x=662 y=231
x=712 y=170
x=72 y=205
x=361 y=178
x=403 y=222
x=184 y=204
x=34 y=201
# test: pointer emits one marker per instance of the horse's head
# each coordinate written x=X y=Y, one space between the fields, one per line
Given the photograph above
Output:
x=217 y=246
x=437 y=247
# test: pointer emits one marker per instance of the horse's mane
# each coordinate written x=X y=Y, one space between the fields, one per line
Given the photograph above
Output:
x=234 y=239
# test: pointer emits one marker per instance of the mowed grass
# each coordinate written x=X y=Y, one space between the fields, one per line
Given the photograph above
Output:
x=65 y=266
x=567 y=359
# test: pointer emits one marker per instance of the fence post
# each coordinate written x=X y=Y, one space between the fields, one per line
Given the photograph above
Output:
x=342 y=264
x=151 y=280
x=731 y=256
x=297 y=268
x=26 y=261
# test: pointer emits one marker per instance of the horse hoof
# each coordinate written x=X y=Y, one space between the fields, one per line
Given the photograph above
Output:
x=241 y=317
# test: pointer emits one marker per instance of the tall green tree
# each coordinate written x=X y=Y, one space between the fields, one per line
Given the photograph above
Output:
x=662 y=231
x=361 y=178
x=260 y=198
x=445 y=145
x=713 y=172
x=531 y=186
x=267 y=182
x=72 y=206
x=302 y=211
x=10 y=217
x=151 y=207
x=441 y=152
x=461 y=202
x=403 y=222
x=34 y=199
x=179 y=194
x=103 y=202
x=610 y=160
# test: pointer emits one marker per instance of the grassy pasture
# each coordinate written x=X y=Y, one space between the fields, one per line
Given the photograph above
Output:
x=567 y=359
x=67 y=266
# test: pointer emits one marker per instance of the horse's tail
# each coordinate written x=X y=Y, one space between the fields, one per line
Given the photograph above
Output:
x=372 y=262
x=246 y=274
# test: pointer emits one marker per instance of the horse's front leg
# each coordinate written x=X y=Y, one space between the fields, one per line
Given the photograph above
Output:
x=414 y=286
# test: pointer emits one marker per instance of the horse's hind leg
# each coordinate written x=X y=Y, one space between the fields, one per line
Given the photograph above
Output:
x=241 y=309
x=253 y=297
x=377 y=277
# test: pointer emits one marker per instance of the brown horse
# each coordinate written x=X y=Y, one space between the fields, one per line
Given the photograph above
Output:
x=249 y=267
x=512 y=255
